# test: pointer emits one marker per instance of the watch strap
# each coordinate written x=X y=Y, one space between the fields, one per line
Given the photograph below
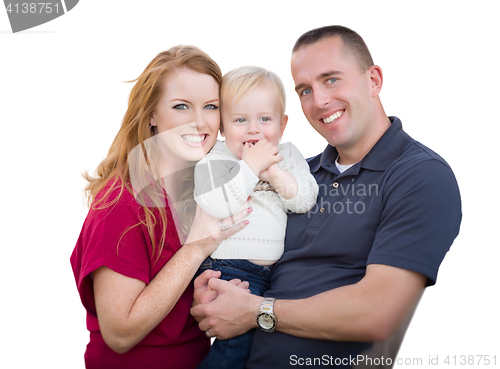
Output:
x=268 y=306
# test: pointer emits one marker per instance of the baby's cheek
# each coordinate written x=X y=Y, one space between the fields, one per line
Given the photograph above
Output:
x=274 y=138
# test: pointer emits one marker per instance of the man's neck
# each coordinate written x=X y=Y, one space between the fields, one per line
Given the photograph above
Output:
x=354 y=153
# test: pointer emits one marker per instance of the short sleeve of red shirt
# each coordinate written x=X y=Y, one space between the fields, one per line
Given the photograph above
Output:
x=115 y=238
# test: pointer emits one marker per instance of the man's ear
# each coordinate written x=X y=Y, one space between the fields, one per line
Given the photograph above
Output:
x=283 y=124
x=376 y=78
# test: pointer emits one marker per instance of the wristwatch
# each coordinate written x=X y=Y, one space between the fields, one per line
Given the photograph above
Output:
x=266 y=318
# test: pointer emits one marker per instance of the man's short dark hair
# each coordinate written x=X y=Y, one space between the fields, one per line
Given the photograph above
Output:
x=353 y=43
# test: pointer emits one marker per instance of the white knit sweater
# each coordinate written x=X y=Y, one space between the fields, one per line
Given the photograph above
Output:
x=222 y=186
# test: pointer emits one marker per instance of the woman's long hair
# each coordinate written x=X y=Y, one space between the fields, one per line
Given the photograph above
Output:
x=135 y=139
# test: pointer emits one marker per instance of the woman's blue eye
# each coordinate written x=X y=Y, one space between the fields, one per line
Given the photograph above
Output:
x=211 y=107
x=180 y=106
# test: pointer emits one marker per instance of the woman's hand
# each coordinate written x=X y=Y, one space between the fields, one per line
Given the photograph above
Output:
x=128 y=309
x=206 y=231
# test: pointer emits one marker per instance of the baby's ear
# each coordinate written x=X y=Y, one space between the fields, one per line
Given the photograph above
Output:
x=284 y=121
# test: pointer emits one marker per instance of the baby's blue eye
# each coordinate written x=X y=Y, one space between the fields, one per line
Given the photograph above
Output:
x=240 y=120
x=265 y=119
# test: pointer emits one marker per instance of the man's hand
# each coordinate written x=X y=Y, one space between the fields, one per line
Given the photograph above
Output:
x=204 y=294
x=233 y=312
x=260 y=156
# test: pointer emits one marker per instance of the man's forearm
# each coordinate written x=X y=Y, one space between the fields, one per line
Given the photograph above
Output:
x=370 y=310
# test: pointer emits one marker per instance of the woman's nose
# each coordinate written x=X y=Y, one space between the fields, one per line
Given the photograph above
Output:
x=200 y=120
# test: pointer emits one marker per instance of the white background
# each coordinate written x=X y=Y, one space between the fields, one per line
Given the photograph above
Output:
x=62 y=98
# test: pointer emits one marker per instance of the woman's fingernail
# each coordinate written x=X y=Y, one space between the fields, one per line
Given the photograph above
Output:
x=246 y=222
x=249 y=210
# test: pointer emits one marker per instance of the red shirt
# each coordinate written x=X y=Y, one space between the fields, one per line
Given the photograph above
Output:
x=104 y=241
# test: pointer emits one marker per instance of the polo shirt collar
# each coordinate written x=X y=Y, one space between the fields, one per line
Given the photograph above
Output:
x=385 y=151
x=387 y=148
x=327 y=160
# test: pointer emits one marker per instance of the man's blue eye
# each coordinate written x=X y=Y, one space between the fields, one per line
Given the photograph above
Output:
x=332 y=80
x=307 y=91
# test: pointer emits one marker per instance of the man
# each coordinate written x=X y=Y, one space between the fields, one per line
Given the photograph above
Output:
x=354 y=267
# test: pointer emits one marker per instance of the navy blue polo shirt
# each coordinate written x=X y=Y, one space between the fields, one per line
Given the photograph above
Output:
x=399 y=206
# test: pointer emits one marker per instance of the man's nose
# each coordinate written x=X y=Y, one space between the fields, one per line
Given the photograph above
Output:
x=321 y=98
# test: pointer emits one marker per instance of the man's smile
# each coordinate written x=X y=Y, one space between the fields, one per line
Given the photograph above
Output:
x=333 y=117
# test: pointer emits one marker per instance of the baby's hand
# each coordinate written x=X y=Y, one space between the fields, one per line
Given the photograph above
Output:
x=260 y=156
x=271 y=173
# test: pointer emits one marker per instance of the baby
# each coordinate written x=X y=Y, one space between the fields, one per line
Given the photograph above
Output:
x=251 y=169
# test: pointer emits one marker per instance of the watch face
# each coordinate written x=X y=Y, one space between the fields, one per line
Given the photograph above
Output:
x=266 y=321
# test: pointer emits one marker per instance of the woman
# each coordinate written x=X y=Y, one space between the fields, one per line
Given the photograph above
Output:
x=133 y=276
